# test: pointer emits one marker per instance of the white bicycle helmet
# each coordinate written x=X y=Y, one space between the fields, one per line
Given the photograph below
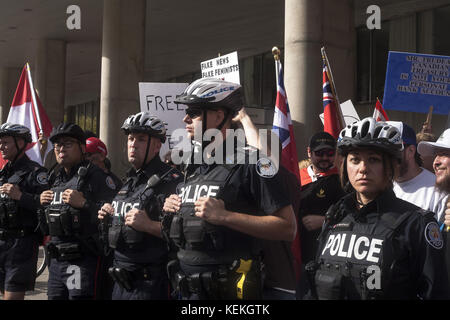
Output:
x=144 y=122
x=212 y=93
x=368 y=133
x=15 y=130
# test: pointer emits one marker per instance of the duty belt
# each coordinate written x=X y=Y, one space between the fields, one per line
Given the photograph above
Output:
x=20 y=233
x=126 y=279
x=225 y=283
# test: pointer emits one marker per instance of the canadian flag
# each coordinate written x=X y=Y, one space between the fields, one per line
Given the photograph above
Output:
x=26 y=109
x=379 y=114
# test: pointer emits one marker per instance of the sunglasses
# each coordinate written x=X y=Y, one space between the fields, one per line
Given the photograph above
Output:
x=194 y=112
x=326 y=152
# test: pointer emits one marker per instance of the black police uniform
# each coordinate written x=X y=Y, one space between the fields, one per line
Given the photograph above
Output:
x=19 y=239
x=140 y=259
x=216 y=262
x=389 y=249
x=74 y=247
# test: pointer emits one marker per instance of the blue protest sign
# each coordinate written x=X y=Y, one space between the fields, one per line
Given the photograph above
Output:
x=414 y=82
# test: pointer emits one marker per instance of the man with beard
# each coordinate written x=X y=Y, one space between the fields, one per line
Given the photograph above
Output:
x=441 y=150
x=414 y=183
x=441 y=165
x=320 y=188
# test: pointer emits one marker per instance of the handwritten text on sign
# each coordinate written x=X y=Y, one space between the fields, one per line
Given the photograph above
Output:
x=414 y=82
x=158 y=99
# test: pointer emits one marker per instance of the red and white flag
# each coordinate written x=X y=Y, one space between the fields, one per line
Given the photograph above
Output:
x=379 y=114
x=26 y=109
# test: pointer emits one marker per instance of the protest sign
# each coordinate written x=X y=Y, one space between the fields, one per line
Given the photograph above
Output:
x=157 y=98
x=414 y=82
x=224 y=67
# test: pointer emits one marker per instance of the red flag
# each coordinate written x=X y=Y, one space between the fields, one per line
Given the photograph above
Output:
x=282 y=126
x=26 y=109
x=331 y=111
x=379 y=114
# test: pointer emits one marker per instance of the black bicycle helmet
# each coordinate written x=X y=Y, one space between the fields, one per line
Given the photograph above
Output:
x=68 y=129
x=15 y=130
x=144 y=122
x=211 y=93
x=368 y=133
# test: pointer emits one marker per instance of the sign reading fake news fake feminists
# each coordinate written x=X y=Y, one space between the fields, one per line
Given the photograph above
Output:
x=157 y=98
x=224 y=67
x=414 y=82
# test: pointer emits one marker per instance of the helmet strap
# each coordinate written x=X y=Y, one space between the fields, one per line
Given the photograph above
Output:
x=19 y=151
x=146 y=152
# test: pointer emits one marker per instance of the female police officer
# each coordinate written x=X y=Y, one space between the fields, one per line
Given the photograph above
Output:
x=374 y=245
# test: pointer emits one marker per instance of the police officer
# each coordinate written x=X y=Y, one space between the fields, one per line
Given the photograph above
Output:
x=223 y=207
x=78 y=190
x=374 y=245
x=140 y=253
x=21 y=180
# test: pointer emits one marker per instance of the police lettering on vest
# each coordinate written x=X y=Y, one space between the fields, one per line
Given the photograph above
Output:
x=353 y=247
x=121 y=208
x=191 y=193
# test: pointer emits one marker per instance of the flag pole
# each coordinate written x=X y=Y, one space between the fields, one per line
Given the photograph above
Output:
x=33 y=96
x=332 y=86
x=276 y=57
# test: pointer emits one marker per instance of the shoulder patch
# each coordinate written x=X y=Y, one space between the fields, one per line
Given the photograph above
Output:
x=433 y=235
x=42 y=178
x=266 y=168
x=110 y=183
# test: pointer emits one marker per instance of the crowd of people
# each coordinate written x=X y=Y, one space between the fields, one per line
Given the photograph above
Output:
x=370 y=214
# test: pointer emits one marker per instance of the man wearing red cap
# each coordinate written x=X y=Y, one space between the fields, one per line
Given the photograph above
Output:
x=96 y=153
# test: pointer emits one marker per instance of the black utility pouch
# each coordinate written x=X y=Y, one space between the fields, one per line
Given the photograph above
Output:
x=113 y=235
x=194 y=230
x=68 y=251
x=13 y=214
x=176 y=231
x=328 y=285
x=55 y=227
x=131 y=236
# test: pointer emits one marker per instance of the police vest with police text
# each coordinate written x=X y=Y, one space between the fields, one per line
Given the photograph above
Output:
x=73 y=221
x=201 y=242
x=357 y=260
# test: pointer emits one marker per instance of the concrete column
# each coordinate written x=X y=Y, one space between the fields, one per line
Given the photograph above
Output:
x=303 y=68
x=3 y=93
x=123 y=46
x=49 y=77
x=9 y=78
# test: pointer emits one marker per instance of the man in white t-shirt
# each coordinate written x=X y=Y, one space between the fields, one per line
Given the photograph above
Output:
x=440 y=150
x=414 y=183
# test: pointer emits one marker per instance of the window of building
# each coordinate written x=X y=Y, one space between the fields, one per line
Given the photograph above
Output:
x=441 y=27
x=86 y=115
x=372 y=54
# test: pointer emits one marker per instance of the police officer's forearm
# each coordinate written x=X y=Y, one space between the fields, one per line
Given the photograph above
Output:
x=279 y=226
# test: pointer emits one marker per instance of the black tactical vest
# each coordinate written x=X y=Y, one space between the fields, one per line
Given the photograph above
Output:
x=124 y=201
x=199 y=241
x=65 y=221
x=12 y=217
x=358 y=260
